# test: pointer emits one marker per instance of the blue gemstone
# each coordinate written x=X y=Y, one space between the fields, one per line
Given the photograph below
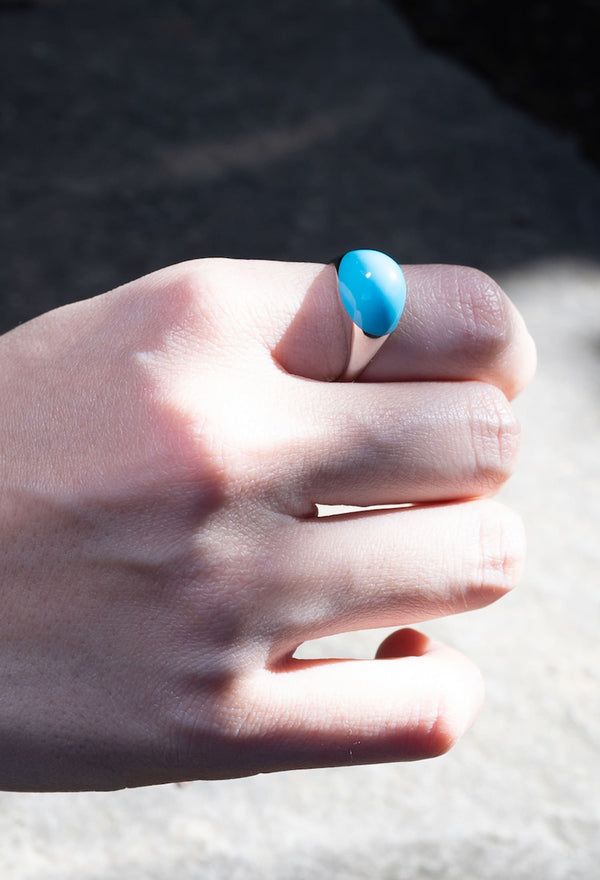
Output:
x=373 y=290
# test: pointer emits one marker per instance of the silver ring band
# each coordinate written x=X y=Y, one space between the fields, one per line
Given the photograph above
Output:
x=372 y=289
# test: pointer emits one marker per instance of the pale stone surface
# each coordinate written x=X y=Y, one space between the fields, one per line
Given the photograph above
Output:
x=519 y=797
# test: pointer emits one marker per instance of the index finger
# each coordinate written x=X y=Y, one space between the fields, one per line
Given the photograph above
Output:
x=458 y=325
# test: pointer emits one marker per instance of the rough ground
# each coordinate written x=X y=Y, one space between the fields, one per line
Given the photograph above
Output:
x=540 y=55
x=133 y=135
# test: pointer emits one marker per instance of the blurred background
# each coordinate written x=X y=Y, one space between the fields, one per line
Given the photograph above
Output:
x=134 y=135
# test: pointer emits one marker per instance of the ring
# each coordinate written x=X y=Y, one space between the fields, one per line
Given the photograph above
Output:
x=372 y=288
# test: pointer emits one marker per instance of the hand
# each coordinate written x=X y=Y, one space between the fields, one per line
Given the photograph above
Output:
x=163 y=449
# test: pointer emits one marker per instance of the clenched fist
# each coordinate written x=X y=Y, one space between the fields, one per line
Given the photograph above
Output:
x=163 y=448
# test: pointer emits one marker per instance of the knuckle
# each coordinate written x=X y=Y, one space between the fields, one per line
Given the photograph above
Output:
x=485 y=313
x=455 y=710
x=501 y=540
x=180 y=335
x=207 y=725
x=188 y=294
x=186 y=300
x=248 y=462
x=440 y=733
x=495 y=436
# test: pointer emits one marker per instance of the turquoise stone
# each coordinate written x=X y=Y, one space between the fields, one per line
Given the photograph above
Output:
x=373 y=290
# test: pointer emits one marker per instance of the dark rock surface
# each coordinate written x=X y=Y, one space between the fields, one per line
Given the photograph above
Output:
x=134 y=135
x=541 y=55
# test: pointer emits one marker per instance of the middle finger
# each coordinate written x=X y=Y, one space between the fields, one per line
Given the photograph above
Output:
x=411 y=443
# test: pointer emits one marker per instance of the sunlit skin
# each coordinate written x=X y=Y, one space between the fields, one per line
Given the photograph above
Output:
x=164 y=447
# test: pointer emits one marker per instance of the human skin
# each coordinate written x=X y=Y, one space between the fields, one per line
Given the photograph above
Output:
x=164 y=447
